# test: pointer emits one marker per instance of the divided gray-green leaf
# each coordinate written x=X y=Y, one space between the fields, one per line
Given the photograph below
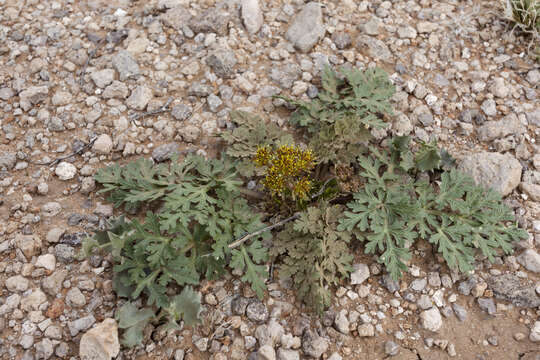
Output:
x=349 y=105
x=250 y=133
x=458 y=217
x=314 y=254
x=200 y=211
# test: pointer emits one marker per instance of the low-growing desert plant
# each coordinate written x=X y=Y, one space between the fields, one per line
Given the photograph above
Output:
x=350 y=104
x=195 y=212
x=393 y=209
x=198 y=224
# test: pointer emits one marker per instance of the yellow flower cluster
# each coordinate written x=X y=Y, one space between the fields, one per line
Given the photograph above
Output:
x=287 y=170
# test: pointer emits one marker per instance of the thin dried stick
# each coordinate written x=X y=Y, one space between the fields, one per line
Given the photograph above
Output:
x=246 y=237
x=61 y=158
x=163 y=108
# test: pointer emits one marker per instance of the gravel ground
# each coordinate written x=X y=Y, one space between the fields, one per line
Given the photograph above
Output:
x=87 y=83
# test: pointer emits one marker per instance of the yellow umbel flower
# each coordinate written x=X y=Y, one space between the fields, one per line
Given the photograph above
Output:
x=287 y=170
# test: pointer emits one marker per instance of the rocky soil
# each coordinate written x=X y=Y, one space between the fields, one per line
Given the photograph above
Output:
x=87 y=83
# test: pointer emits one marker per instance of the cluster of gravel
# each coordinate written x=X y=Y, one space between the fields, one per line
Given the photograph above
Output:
x=87 y=83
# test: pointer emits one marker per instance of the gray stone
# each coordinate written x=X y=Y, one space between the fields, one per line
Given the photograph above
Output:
x=116 y=90
x=201 y=344
x=200 y=90
x=30 y=245
x=335 y=356
x=499 y=88
x=532 y=190
x=53 y=332
x=424 y=302
x=239 y=305
x=81 y=324
x=418 y=284
x=181 y=112
x=75 y=297
x=341 y=322
x=534 y=336
x=266 y=352
x=371 y=27
x=33 y=301
x=460 y=311
x=53 y=283
x=139 y=98
x=275 y=331
x=499 y=172
x=257 y=312
x=189 y=133
x=100 y=342
x=26 y=342
x=366 y=330
x=407 y=32
x=32 y=96
x=489 y=107
x=431 y=319
x=285 y=75
x=8 y=160
x=214 y=102
x=126 y=65
x=426 y=118
x=287 y=354
x=313 y=345
x=214 y=20
x=65 y=171
x=179 y=354
x=342 y=39
x=534 y=117
x=62 y=350
x=390 y=284
x=44 y=349
x=510 y=287
x=360 y=274
x=466 y=286
x=103 y=144
x=6 y=93
x=426 y=27
x=56 y=124
x=64 y=253
x=376 y=48
x=12 y=302
x=533 y=77
x=472 y=115
x=262 y=334
x=252 y=16
x=191 y=69
x=307 y=28
x=102 y=78
x=164 y=152
x=47 y=261
x=176 y=17
x=61 y=98
x=530 y=260
x=509 y=125
x=222 y=63
x=50 y=209
x=17 y=283
x=488 y=305
x=391 y=348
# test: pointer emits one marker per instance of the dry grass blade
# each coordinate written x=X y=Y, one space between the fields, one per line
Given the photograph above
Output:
x=525 y=14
